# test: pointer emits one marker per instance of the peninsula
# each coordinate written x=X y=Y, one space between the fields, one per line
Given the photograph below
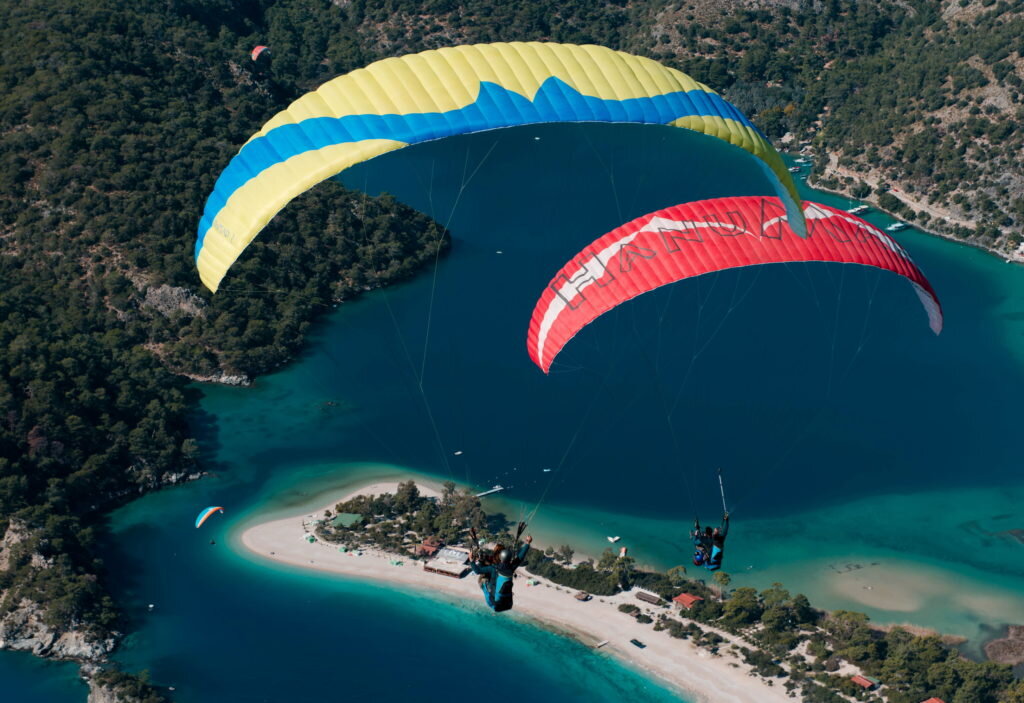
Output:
x=710 y=643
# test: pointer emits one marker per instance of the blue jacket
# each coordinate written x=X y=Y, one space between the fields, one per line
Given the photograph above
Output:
x=498 y=589
x=714 y=562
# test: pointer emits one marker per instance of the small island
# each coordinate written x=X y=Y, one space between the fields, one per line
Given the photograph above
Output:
x=740 y=644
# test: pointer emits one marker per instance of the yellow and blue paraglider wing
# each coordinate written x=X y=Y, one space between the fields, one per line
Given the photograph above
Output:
x=206 y=513
x=396 y=102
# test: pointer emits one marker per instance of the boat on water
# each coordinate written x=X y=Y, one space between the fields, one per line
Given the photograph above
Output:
x=859 y=210
x=794 y=169
x=614 y=539
x=896 y=227
x=803 y=160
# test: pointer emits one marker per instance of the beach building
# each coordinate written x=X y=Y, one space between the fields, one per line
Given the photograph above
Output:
x=449 y=561
x=429 y=546
x=648 y=597
x=685 y=601
x=865 y=682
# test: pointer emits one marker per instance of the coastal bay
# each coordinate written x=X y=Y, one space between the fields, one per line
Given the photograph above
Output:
x=351 y=411
x=867 y=463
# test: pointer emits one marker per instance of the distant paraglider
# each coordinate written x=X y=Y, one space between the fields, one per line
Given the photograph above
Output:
x=206 y=513
x=259 y=51
x=702 y=237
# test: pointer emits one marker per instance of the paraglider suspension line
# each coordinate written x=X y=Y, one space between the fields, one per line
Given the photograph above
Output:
x=568 y=448
x=437 y=250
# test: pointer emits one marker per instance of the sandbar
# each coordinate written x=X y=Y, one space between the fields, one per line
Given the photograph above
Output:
x=721 y=678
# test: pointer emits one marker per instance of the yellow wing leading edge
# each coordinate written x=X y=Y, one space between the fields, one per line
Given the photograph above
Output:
x=457 y=90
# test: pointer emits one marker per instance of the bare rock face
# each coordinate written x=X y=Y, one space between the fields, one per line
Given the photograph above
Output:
x=15 y=535
x=220 y=377
x=76 y=645
x=101 y=694
x=168 y=300
x=174 y=478
x=229 y=380
x=23 y=629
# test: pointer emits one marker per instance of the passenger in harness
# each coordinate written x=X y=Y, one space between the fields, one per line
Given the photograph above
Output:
x=714 y=560
x=701 y=543
x=497 y=572
x=709 y=544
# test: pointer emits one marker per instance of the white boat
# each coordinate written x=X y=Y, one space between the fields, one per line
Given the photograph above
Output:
x=896 y=227
x=615 y=539
x=803 y=160
x=794 y=169
x=859 y=209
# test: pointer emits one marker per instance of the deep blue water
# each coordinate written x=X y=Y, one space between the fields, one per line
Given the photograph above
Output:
x=27 y=679
x=770 y=370
x=815 y=386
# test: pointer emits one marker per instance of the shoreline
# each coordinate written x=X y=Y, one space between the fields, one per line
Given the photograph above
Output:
x=676 y=664
x=1002 y=255
x=834 y=170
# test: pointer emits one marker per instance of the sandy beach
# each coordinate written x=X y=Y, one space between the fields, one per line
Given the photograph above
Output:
x=680 y=664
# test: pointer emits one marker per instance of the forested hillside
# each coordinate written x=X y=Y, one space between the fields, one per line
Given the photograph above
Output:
x=114 y=122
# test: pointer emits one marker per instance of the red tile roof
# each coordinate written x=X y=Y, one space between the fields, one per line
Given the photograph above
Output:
x=686 y=600
x=934 y=700
x=862 y=682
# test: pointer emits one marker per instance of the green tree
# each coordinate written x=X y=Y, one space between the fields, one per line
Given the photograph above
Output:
x=743 y=607
x=677 y=575
x=723 y=580
x=623 y=571
x=1014 y=693
x=607 y=560
x=407 y=496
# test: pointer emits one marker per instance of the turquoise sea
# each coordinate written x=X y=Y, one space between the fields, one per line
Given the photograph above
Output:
x=867 y=462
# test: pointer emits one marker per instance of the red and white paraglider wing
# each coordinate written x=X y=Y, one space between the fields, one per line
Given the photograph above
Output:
x=701 y=237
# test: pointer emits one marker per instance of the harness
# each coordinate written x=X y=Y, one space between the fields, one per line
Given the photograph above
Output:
x=502 y=591
x=714 y=563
